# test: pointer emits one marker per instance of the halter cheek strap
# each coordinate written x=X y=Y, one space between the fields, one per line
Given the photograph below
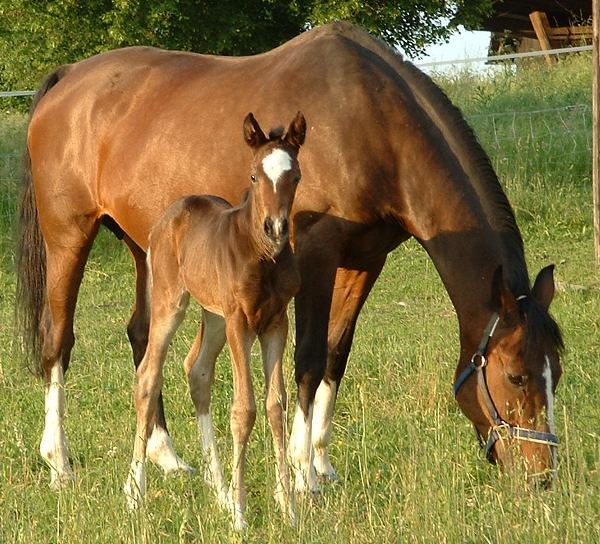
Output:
x=477 y=365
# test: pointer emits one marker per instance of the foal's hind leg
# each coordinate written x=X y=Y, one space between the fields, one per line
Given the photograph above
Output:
x=350 y=292
x=200 y=368
x=272 y=346
x=64 y=271
x=160 y=447
x=168 y=309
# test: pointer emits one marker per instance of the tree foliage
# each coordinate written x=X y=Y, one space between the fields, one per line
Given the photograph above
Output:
x=37 y=35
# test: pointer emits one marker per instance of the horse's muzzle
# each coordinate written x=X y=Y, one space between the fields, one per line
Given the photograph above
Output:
x=278 y=229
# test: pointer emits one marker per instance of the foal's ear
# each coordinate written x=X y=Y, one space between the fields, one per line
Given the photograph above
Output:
x=543 y=287
x=253 y=134
x=503 y=299
x=296 y=131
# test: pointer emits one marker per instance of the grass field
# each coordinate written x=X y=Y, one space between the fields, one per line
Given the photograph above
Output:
x=410 y=468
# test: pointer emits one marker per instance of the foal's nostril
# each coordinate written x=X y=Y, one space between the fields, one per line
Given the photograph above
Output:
x=283 y=226
x=268 y=226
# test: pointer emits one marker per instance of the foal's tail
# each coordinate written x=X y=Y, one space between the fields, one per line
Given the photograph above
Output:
x=31 y=254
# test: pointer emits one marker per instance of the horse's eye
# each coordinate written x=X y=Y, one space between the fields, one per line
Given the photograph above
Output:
x=517 y=380
x=253 y=177
x=297 y=179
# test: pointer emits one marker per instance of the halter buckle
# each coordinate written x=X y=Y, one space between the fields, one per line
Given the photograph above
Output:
x=479 y=357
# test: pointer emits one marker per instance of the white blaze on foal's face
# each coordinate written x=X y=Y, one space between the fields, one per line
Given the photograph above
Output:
x=275 y=164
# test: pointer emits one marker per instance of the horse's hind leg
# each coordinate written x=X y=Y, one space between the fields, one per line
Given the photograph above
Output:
x=160 y=449
x=350 y=292
x=200 y=369
x=272 y=346
x=64 y=270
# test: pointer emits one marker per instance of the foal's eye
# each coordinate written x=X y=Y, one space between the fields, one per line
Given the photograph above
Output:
x=252 y=177
x=297 y=179
x=517 y=380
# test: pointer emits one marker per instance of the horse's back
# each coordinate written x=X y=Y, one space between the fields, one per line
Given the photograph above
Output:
x=131 y=130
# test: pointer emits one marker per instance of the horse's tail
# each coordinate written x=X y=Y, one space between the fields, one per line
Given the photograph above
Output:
x=31 y=254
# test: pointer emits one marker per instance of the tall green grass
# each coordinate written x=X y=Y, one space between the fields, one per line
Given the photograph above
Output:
x=409 y=465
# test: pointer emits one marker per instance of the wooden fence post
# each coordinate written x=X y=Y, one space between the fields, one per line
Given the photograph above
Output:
x=596 y=127
x=541 y=26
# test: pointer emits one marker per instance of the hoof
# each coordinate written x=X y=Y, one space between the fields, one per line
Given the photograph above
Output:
x=307 y=488
x=132 y=496
x=327 y=478
x=240 y=525
x=182 y=468
x=61 y=481
x=135 y=486
x=237 y=513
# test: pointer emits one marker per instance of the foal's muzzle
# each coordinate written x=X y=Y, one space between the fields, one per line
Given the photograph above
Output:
x=278 y=229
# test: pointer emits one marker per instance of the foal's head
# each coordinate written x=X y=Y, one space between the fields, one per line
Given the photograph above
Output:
x=275 y=174
x=519 y=374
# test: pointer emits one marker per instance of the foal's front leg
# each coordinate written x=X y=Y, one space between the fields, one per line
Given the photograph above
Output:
x=243 y=410
x=166 y=317
x=272 y=345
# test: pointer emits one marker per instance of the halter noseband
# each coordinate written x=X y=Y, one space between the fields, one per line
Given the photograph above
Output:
x=477 y=365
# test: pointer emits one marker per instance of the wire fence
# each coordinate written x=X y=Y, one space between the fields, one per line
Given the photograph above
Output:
x=542 y=142
x=548 y=142
x=506 y=57
x=569 y=126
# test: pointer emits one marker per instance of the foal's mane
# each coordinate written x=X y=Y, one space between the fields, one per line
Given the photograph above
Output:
x=463 y=144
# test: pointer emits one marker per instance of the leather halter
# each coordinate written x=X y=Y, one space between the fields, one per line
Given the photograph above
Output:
x=477 y=366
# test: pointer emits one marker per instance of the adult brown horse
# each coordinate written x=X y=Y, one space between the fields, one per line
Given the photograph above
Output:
x=116 y=138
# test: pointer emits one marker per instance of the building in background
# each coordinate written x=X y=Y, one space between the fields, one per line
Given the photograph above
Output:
x=533 y=25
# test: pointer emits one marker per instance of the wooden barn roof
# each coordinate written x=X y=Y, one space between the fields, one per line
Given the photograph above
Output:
x=513 y=15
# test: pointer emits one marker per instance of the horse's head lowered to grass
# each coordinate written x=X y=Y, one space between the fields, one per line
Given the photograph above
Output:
x=512 y=378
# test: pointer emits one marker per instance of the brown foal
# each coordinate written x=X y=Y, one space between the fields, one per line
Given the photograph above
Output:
x=238 y=264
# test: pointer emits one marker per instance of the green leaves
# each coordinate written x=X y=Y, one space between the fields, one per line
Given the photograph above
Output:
x=36 y=36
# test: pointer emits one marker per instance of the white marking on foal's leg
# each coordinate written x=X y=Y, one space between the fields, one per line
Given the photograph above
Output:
x=53 y=446
x=207 y=345
x=214 y=471
x=160 y=451
x=321 y=429
x=276 y=163
x=301 y=452
x=135 y=485
x=550 y=405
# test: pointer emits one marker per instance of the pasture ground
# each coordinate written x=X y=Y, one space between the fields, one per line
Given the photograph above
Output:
x=410 y=468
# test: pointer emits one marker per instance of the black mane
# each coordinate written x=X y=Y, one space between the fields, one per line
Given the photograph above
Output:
x=463 y=144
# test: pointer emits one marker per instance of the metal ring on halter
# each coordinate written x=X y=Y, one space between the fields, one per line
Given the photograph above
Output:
x=481 y=358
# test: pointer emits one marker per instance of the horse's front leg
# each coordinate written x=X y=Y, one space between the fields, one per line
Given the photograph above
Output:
x=243 y=411
x=350 y=292
x=272 y=346
x=166 y=317
x=160 y=447
x=200 y=369
x=312 y=304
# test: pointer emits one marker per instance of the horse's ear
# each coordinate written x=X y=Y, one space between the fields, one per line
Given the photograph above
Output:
x=543 y=287
x=296 y=131
x=503 y=300
x=253 y=134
